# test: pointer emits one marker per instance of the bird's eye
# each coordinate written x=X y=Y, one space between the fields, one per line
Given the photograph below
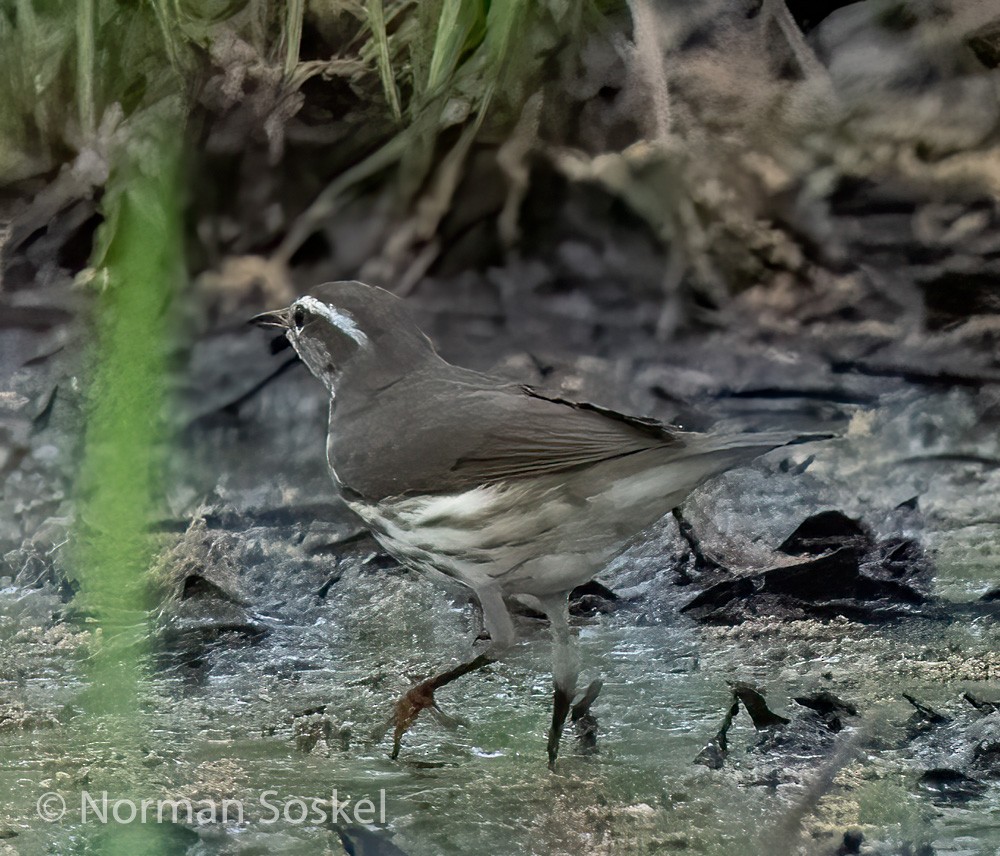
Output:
x=299 y=317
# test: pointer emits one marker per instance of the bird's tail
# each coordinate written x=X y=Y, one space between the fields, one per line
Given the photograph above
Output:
x=724 y=451
x=757 y=440
x=652 y=483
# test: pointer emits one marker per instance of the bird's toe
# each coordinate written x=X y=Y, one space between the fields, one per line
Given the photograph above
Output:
x=584 y=722
x=561 y=702
x=582 y=707
x=407 y=710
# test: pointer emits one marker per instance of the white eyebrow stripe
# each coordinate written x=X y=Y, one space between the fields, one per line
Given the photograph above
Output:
x=341 y=320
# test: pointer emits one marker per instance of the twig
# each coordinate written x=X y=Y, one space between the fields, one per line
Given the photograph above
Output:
x=785 y=837
x=650 y=60
x=512 y=158
x=808 y=63
x=326 y=202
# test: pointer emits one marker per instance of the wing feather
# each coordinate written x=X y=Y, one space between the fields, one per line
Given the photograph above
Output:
x=554 y=435
x=452 y=430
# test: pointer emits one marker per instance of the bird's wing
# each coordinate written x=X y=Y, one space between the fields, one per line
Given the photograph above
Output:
x=535 y=434
x=445 y=433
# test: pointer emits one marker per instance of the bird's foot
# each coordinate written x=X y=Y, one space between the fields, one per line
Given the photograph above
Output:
x=409 y=707
x=407 y=710
x=584 y=722
x=421 y=697
x=561 y=701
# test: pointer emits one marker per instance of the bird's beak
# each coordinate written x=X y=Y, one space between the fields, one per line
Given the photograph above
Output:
x=278 y=318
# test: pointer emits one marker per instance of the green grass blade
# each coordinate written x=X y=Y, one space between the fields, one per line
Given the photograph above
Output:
x=462 y=24
x=502 y=23
x=124 y=441
x=294 y=14
x=376 y=21
x=85 y=57
x=27 y=24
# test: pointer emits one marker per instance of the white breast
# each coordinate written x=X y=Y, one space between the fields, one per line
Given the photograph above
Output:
x=475 y=536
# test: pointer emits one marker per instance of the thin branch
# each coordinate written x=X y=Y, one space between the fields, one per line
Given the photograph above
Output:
x=649 y=56
x=326 y=202
x=805 y=57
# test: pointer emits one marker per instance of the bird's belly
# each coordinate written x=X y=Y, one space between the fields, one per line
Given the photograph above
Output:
x=479 y=537
x=536 y=536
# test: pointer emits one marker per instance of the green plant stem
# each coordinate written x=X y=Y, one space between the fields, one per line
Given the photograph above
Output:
x=27 y=24
x=85 y=65
x=124 y=442
x=168 y=19
x=376 y=21
x=294 y=14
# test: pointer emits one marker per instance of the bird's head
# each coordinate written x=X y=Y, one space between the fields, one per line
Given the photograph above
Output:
x=349 y=328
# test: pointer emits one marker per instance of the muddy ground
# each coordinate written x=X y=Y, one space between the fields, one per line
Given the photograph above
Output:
x=852 y=583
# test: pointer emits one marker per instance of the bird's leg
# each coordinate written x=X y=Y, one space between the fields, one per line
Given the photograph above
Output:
x=421 y=696
x=565 y=669
x=701 y=560
x=501 y=630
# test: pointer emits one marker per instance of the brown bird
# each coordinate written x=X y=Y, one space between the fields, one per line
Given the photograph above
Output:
x=508 y=490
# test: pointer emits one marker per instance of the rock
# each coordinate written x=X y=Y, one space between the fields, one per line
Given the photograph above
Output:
x=947 y=786
x=761 y=715
x=584 y=722
x=825 y=532
x=786 y=749
x=314 y=730
x=831 y=584
x=361 y=841
x=981 y=704
x=925 y=713
x=16 y=717
x=714 y=754
x=986 y=757
x=201 y=596
x=828 y=707
x=592 y=598
x=851 y=843
x=849 y=573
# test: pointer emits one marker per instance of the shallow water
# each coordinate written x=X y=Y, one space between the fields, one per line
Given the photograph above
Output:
x=485 y=787
x=228 y=723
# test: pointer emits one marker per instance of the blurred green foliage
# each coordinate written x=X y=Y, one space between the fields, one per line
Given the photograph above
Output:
x=139 y=262
x=121 y=83
x=419 y=81
x=69 y=61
